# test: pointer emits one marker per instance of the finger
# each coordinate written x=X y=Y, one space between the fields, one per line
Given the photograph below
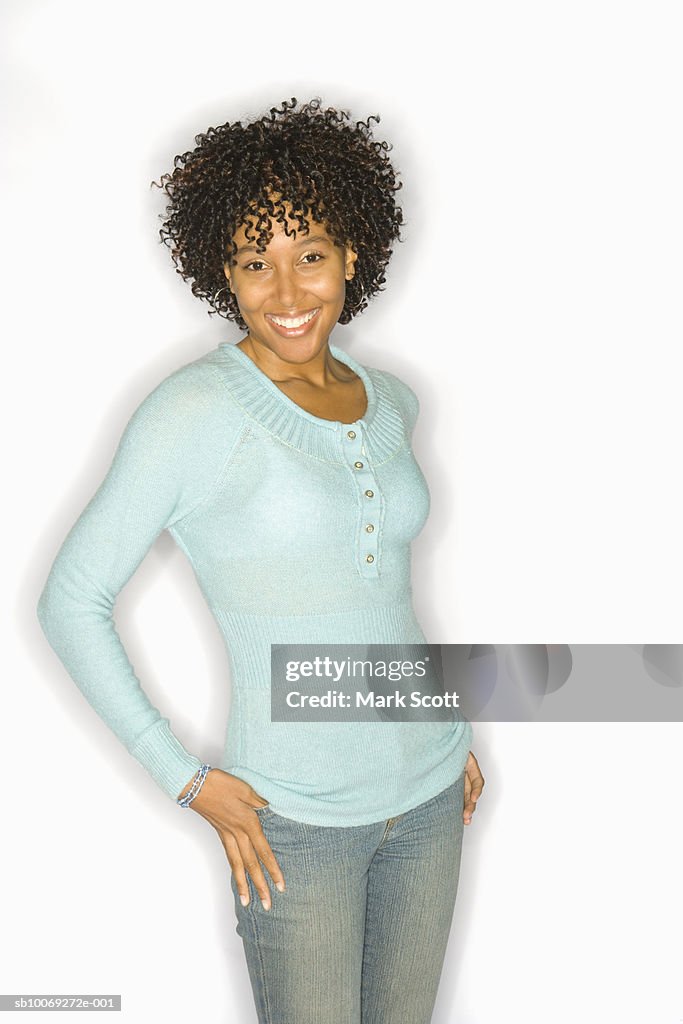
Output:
x=257 y=801
x=254 y=799
x=466 y=809
x=469 y=808
x=237 y=867
x=241 y=883
x=266 y=855
x=473 y=769
x=473 y=773
x=476 y=787
x=253 y=867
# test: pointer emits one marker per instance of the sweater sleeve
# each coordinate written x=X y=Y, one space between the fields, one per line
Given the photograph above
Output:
x=167 y=462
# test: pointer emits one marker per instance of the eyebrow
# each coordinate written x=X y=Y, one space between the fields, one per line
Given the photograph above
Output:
x=306 y=240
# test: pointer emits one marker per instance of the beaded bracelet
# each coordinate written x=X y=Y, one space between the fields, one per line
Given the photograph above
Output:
x=196 y=786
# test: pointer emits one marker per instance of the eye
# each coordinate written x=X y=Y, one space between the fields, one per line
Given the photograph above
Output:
x=253 y=264
x=319 y=255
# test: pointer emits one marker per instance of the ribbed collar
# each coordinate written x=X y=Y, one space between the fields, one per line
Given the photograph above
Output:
x=381 y=425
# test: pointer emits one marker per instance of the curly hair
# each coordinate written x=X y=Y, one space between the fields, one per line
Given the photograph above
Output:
x=316 y=160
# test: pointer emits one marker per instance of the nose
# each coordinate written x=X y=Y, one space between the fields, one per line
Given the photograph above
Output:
x=288 y=290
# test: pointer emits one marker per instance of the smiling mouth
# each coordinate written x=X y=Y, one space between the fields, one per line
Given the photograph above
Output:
x=292 y=322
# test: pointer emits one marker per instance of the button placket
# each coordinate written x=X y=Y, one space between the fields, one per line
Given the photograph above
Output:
x=367 y=545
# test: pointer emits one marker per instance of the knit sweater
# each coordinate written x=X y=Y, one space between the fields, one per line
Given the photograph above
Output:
x=271 y=505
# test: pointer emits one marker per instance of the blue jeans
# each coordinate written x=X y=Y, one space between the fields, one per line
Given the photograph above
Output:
x=360 y=932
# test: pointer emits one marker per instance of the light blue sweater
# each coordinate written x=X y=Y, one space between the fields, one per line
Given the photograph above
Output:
x=271 y=505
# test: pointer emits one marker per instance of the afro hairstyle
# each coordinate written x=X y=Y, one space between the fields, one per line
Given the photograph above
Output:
x=326 y=167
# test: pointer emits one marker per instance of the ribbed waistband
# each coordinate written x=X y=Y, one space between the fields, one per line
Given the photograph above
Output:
x=249 y=636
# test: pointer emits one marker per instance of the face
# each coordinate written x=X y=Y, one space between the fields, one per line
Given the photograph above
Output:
x=291 y=295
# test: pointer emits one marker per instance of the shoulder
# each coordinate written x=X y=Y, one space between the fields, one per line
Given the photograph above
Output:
x=403 y=396
x=178 y=440
x=186 y=402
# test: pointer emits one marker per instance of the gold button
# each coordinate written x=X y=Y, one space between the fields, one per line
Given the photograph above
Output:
x=369 y=528
x=358 y=465
x=369 y=558
x=351 y=434
x=369 y=494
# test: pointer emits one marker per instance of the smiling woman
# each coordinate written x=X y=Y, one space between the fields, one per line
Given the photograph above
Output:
x=328 y=168
x=296 y=288
x=283 y=468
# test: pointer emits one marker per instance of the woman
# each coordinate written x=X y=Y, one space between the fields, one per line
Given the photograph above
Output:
x=283 y=468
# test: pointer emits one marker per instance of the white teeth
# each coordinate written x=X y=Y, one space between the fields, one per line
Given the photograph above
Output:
x=299 y=322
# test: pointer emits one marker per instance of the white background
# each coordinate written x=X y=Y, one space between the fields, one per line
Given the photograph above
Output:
x=535 y=308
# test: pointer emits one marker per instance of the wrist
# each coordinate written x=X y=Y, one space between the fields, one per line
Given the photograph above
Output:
x=188 y=794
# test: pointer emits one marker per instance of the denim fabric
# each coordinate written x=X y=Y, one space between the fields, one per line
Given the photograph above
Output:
x=360 y=933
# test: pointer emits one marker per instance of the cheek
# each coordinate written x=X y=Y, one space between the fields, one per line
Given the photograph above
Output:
x=250 y=296
x=330 y=286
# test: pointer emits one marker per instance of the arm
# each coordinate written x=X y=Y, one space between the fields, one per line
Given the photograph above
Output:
x=167 y=462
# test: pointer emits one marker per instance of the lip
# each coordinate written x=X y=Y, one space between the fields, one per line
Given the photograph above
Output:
x=294 y=332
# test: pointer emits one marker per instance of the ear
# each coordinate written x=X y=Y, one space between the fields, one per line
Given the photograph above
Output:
x=349 y=259
x=226 y=271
